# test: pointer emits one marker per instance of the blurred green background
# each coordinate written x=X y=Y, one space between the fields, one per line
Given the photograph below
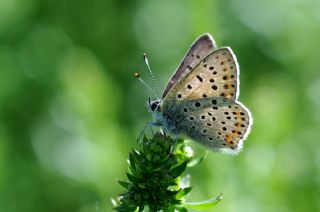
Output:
x=70 y=109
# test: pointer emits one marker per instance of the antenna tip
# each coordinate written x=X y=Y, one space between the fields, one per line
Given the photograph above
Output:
x=137 y=75
x=144 y=56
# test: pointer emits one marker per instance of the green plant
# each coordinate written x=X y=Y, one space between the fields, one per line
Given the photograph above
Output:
x=154 y=177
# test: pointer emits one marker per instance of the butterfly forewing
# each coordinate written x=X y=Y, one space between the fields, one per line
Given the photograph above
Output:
x=199 y=50
x=216 y=75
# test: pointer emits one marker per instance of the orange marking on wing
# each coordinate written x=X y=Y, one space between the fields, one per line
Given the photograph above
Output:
x=238 y=116
x=227 y=86
x=229 y=138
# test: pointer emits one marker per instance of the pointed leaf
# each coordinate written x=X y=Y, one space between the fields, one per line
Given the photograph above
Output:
x=139 y=209
x=124 y=184
x=136 y=154
x=123 y=208
x=114 y=202
x=176 y=202
x=198 y=160
x=180 y=209
x=205 y=205
x=183 y=192
x=132 y=171
x=132 y=161
x=133 y=178
x=178 y=170
x=145 y=139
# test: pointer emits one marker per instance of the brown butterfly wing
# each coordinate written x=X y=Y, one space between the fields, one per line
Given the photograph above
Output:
x=216 y=75
x=217 y=123
x=203 y=46
x=204 y=103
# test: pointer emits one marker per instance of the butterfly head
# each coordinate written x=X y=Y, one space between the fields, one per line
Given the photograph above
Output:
x=154 y=105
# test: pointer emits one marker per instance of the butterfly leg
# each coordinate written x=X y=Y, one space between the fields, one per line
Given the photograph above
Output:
x=150 y=124
x=154 y=124
x=142 y=131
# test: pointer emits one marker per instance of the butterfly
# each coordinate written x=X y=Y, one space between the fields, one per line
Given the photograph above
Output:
x=200 y=100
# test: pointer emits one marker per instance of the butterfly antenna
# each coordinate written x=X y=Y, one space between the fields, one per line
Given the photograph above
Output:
x=146 y=61
x=137 y=75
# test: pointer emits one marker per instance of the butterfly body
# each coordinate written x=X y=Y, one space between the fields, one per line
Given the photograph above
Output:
x=200 y=100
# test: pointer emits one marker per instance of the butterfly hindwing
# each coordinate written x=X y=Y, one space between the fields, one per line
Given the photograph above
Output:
x=199 y=50
x=217 y=122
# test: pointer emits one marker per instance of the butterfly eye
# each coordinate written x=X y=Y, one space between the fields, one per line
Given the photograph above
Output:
x=154 y=106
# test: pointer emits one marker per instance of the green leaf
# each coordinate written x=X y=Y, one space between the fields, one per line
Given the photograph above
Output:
x=123 y=208
x=133 y=178
x=205 y=204
x=132 y=171
x=180 y=209
x=132 y=161
x=178 y=170
x=183 y=192
x=124 y=184
x=198 y=160
x=145 y=140
x=176 y=202
x=136 y=154
x=114 y=202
